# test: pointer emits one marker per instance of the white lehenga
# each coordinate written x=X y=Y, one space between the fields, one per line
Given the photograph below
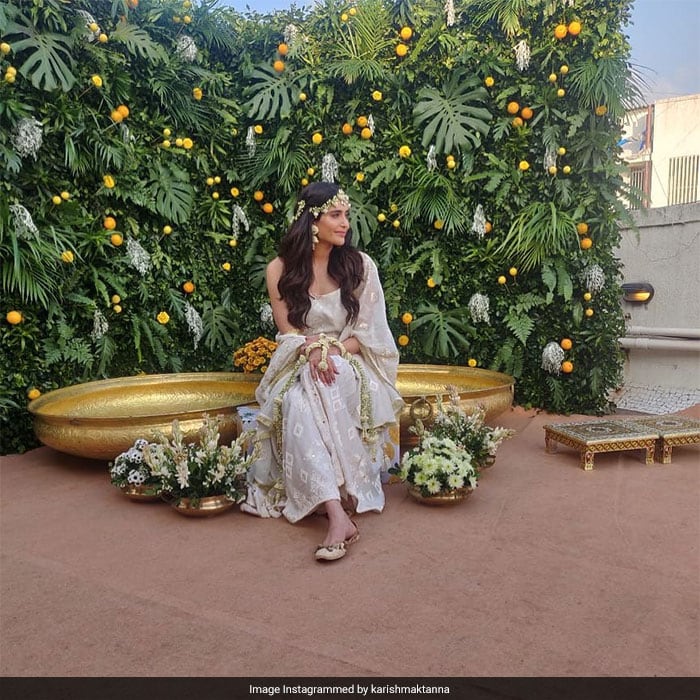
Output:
x=319 y=453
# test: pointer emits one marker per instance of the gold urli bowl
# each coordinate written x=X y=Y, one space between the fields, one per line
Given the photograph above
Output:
x=100 y=419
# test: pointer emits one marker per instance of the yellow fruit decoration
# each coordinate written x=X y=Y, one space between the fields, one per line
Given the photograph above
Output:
x=187 y=143
x=167 y=230
x=226 y=266
x=347 y=129
x=303 y=97
x=401 y=50
x=561 y=151
x=502 y=279
x=381 y=218
x=215 y=195
x=166 y=144
x=552 y=170
x=233 y=242
x=407 y=317
x=564 y=69
x=512 y=107
x=96 y=80
x=360 y=177
x=65 y=196
x=560 y=31
x=67 y=256
x=601 y=110
x=5 y=48
x=517 y=121
x=352 y=11
x=56 y=199
x=574 y=28
x=451 y=164
x=123 y=110
x=278 y=65
x=108 y=181
x=366 y=133
x=268 y=208
x=406 y=33
x=117 y=309
x=403 y=340
x=586 y=243
x=431 y=282
x=377 y=96
x=210 y=181
x=14 y=317
x=103 y=38
x=188 y=287
x=258 y=129
x=304 y=182
x=566 y=169
x=93 y=27
x=489 y=81
x=526 y=113
x=566 y=344
x=310 y=172
x=163 y=317
x=396 y=223
x=235 y=191
x=115 y=299
x=582 y=228
x=587 y=296
x=588 y=312
x=513 y=271
x=488 y=227
x=567 y=367
x=362 y=121
x=116 y=239
x=317 y=138
x=283 y=49
x=167 y=132
x=33 y=393
x=344 y=17
x=110 y=223
x=471 y=362
x=523 y=165
x=405 y=151
x=438 y=224
x=186 y=19
x=561 y=92
x=258 y=195
x=552 y=78
x=116 y=116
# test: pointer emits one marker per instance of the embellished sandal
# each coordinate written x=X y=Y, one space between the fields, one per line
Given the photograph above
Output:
x=331 y=552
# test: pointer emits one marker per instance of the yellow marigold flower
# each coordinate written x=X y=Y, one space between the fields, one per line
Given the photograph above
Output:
x=405 y=151
x=523 y=165
x=235 y=191
x=108 y=181
x=96 y=80
x=67 y=256
x=163 y=317
x=406 y=33
x=187 y=143
x=360 y=177
x=431 y=282
x=489 y=81
x=401 y=50
x=317 y=138
x=197 y=93
x=377 y=96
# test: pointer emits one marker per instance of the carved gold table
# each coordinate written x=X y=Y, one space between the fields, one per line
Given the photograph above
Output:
x=674 y=431
x=594 y=436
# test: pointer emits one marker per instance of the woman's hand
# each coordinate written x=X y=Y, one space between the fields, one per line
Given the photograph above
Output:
x=326 y=376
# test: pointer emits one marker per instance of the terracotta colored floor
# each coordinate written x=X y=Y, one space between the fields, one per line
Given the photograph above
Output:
x=546 y=570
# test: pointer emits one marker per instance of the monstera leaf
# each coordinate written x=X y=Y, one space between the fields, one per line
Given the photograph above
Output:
x=270 y=95
x=49 y=62
x=452 y=118
x=445 y=332
x=138 y=42
x=172 y=193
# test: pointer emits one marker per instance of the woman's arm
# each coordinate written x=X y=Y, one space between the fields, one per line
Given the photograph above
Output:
x=280 y=311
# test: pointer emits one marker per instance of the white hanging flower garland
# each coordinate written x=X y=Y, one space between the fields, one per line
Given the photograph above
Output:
x=479 y=222
x=250 y=141
x=186 y=48
x=138 y=256
x=431 y=160
x=194 y=323
x=329 y=168
x=479 y=308
x=238 y=219
x=593 y=278
x=100 y=325
x=522 y=55
x=449 y=12
x=22 y=222
x=27 y=137
x=552 y=357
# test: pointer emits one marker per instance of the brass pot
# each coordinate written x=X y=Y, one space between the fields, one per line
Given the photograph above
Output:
x=202 y=507
x=143 y=493
x=444 y=498
x=101 y=419
x=420 y=384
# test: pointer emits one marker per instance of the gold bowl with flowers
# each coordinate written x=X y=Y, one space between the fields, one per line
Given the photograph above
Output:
x=420 y=385
x=100 y=419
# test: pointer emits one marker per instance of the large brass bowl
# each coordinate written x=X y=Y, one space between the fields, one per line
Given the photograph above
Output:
x=420 y=384
x=100 y=419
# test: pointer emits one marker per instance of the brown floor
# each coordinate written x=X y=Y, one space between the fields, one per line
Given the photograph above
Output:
x=546 y=570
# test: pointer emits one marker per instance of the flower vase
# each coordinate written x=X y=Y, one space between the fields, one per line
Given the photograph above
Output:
x=201 y=507
x=443 y=498
x=488 y=462
x=143 y=493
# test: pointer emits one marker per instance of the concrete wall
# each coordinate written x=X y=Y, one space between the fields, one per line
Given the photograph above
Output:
x=663 y=336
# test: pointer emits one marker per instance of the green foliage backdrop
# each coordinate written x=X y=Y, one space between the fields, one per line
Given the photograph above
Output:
x=471 y=144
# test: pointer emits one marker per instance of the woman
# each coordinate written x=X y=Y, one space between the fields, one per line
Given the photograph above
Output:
x=330 y=386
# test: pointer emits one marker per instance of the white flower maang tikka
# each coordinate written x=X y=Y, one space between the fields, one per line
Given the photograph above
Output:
x=552 y=357
x=338 y=200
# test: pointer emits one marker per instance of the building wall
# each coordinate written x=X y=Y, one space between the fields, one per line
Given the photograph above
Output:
x=663 y=337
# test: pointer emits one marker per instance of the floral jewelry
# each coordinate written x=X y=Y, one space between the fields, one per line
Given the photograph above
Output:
x=314 y=236
x=339 y=199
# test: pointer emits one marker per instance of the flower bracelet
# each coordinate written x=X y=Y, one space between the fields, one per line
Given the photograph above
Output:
x=324 y=342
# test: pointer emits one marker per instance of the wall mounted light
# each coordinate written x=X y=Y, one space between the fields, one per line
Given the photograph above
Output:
x=637 y=292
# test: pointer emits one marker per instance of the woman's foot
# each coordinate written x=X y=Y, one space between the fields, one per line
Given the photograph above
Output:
x=337 y=550
x=342 y=532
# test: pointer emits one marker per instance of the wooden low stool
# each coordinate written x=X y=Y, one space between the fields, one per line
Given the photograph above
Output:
x=594 y=436
x=674 y=431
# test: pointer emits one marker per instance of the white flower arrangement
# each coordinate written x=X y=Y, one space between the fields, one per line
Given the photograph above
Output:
x=129 y=470
x=198 y=470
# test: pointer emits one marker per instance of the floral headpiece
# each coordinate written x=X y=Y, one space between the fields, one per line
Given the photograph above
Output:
x=339 y=199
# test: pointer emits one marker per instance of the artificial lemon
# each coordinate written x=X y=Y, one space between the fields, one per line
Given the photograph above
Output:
x=268 y=208
x=566 y=169
x=552 y=170
x=110 y=223
x=362 y=121
x=561 y=92
x=167 y=230
x=5 y=48
x=210 y=181
x=116 y=239
x=226 y=266
x=406 y=33
x=215 y=195
x=123 y=110
x=561 y=150
x=574 y=28
x=407 y=317
x=14 y=317
x=366 y=133
x=317 y=138
x=560 y=31
x=512 y=107
x=258 y=195
x=403 y=340
x=489 y=81
x=401 y=50
x=601 y=110
x=396 y=223
x=566 y=344
x=347 y=129
x=582 y=228
x=117 y=309
x=187 y=143
x=278 y=65
x=564 y=69
x=302 y=97
x=188 y=287
x=517 y=121
x=567 y=367
x=102 y=38
x=310 y=172
x=258 y=129
x=552 y=78
x=282 y=49
x=526 y=113
x=488 y=227
x=381 y=218
x=116 y=116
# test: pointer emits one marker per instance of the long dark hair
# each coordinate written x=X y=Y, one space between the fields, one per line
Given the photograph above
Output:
x=344 y=265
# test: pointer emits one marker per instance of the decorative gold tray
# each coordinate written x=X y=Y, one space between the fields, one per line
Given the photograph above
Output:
x=100 y=419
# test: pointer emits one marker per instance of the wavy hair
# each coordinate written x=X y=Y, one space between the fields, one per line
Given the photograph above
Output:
x=296 y=252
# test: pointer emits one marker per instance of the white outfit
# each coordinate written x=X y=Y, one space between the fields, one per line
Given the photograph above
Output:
x=323 y=455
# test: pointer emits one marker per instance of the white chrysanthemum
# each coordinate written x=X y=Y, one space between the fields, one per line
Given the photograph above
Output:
x=450 y=12
x=479 y=308
x=250 y=141
x=433 y=485
x=238 y=219
x=552 y=357
x=139 y=258
x=266 y=315
x=431 y=160
x=329 y=168
x=186 y=48
x=455 y=481
x=370 y=124
x=522 y=55
x=99 y=325
x=27 y=137
x=291 y=33
x=479 y=222
x=593 y=278
x=134 y=455
x=194 y=323
x=22 y=222
x=550 y=158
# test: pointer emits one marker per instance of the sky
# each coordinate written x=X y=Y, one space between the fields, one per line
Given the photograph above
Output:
x=664 y=35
